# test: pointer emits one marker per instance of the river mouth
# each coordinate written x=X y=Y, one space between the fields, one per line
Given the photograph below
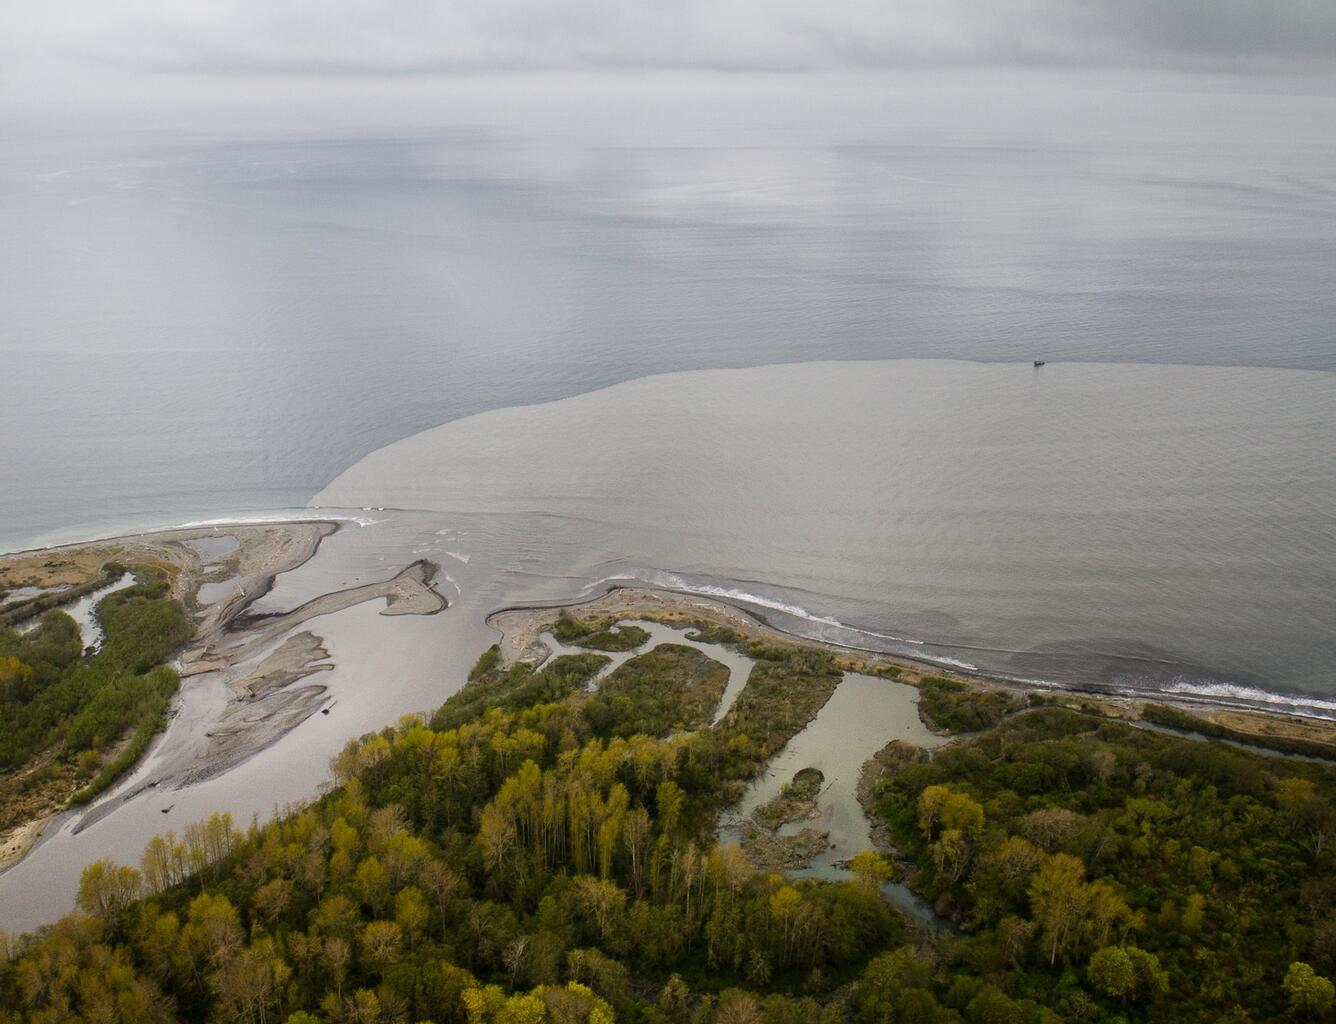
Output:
x=1098 y=526
x=1182 y=514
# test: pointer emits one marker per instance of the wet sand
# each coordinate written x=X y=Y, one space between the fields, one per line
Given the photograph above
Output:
x=15 y=844
x=252 y=556
x=259 y=658
x=262 y=552
x=231 y=636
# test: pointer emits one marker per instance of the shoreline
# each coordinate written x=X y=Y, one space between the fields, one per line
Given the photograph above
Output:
x=264 y=659
x=521 y=625
x=1239 y=715
x=267 y=704
x=262 y=553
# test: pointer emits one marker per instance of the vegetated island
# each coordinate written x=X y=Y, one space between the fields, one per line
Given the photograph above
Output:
x=543 y=848
x=75 y=716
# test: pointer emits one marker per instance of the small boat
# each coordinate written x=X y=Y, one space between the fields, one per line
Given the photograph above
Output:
x=1039 y=362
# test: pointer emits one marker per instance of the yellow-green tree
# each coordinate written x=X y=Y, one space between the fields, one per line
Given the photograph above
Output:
x=106 y=888
x=1309 y=992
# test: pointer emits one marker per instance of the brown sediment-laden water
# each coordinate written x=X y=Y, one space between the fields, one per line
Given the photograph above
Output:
x=1133 y=530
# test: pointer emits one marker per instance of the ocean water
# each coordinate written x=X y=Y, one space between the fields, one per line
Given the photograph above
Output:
x=783 y=335
x=203 y=317
x=1162 y=528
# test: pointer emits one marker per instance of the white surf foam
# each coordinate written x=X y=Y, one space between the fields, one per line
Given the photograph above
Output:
x=797 y=611
x=760 y=600
x=942 y=659
x=281 y=517
x=1250 y=695
x=1228 y=692
x=618 y=578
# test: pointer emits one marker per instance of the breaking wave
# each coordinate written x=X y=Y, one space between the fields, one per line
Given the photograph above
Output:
x=1234 y=693
x=774 y=604
x=1220 y=692
x=942 y=659
x=280 y=517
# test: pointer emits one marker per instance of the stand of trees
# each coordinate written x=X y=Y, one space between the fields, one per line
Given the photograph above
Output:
x=536 y=853
x=523 y=856
x=72 y=709
x=1107 y=870
x=953 y=706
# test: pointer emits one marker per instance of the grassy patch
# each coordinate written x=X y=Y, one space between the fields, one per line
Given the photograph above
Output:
x=785 y=690
x=51 y=693
x=22 y=611
x=598 y=636
x=706 y=632
x=1175 y=718
x=64 y=713
x=668 y=689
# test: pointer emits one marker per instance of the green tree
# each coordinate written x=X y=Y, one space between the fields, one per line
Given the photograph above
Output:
x=411 y=912
x=1112 y=972
x=870 y=869
x=1309 y=992
x=1194 y=913
x=1058 y=900
x=106 y=888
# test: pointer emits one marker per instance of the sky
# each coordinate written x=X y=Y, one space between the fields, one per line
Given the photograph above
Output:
x=74 y=52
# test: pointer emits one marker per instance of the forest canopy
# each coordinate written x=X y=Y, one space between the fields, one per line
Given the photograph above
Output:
x=72 y=721
x=537 y=851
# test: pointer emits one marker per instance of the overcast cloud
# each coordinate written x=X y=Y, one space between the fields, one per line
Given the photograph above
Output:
x=144 y=53
x=398 y=37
